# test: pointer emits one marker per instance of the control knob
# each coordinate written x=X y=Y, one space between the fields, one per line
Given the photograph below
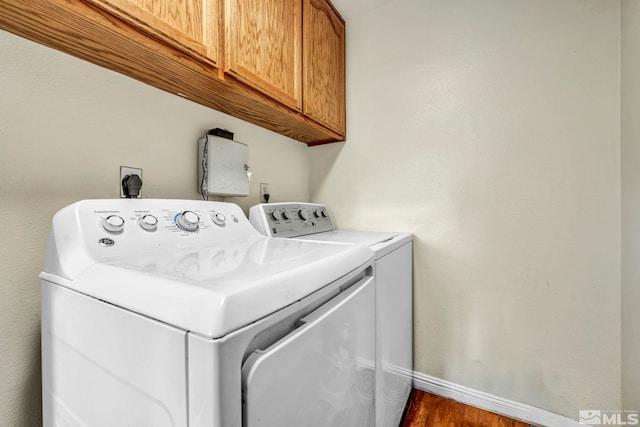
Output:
x=319 y=213
x=276 y=215
x=303 y=214
x=113 y=224
x=219 y=219
x=187 y=220
x=285 y=215
x=148 y=222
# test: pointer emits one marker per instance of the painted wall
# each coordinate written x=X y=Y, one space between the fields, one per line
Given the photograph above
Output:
x=490 y=130
x=630 y=129
x=66 y=127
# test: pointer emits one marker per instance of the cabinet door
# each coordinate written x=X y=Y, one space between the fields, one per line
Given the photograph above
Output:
x=324 y=79
x=190 y=25
x=263 y=47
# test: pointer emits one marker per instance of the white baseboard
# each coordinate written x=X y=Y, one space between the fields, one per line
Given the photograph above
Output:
x=491 y=403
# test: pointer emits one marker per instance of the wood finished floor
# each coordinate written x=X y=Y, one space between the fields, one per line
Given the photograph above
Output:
x=429 y=410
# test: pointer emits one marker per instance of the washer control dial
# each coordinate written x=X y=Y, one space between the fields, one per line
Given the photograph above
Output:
x=187 y=220
x=219 y=219
x=303 y=214
x=285 y=215
x=276 y=215
x=148 y=222
x=113 y=224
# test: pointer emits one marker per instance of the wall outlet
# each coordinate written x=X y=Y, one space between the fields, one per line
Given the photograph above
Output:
x=124 y=171
x=264 y=189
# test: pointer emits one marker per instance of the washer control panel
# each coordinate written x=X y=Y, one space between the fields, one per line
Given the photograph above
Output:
x=290 y=219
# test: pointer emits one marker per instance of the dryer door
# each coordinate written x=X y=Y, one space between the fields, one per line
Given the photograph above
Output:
x=320 y=375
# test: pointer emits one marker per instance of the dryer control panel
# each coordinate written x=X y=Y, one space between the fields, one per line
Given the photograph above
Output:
x=290 y=219
x=93 y=231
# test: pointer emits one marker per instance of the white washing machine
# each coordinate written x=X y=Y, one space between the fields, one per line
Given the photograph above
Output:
x=394 y=294
x=179 y=313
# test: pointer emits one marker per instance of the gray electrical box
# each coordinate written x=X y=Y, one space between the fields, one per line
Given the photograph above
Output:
x=222 y=167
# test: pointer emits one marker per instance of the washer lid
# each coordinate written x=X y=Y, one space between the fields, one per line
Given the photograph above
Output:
x=217 y=289
x=380 y=242
x=368 y=238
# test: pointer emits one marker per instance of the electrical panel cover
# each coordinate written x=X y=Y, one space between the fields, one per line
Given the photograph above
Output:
x=222 y=167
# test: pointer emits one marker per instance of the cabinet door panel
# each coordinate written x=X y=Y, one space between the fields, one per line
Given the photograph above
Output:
x=190 y=25
x=263 y=47
x=324 y=79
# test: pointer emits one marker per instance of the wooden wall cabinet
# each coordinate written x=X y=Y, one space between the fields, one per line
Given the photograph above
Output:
x=189 y=25
x=263 y=47
x=254 y=60
x=324 y=68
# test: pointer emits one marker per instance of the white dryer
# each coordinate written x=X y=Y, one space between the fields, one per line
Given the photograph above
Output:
x=178 y=313
x=394 y=294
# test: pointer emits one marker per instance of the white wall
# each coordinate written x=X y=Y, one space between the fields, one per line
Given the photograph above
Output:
x=66 y=127
x=490 y=129
x=630 y=100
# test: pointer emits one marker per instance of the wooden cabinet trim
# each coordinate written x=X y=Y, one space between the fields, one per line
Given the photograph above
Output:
x=332 y=14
